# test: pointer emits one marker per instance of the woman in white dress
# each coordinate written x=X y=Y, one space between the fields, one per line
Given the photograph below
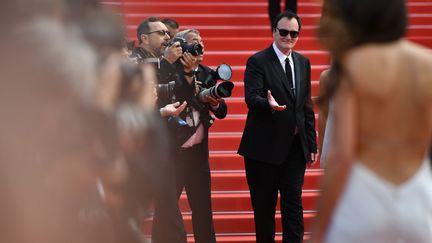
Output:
x=325 y=120
x=378 y=181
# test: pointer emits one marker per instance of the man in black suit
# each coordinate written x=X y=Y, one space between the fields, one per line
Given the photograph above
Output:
x=192 y=168
x=279 y=138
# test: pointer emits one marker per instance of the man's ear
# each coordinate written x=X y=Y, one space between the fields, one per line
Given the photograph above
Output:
x=144 y=38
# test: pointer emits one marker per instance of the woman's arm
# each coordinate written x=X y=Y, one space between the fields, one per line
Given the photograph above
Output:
x=340 y=158
x=322 y=109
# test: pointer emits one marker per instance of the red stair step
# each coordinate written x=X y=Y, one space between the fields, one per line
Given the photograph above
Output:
x=238 y=106
x=419 y=30
x=238 y=71
x=209 y=7
x=226 y=161
x=236 y=181
x=424 y=7
x=231 y=124
x=237 y=58
x=425 y=41
x=254 y=43
x=156 y=7
x=216 y=18
x=259 y=43
x=238 y=91
x=221 y=19
x=242 y=222
x=237 y=202
x=231 y=30
x=246 y=238
x=228 y=141
x=246 y=222
x=264 y=30
x=232 y=161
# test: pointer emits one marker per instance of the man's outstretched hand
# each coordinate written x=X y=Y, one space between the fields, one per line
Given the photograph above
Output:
x=273 y=103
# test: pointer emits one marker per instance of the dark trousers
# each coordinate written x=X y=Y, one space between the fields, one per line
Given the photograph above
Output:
x=274 y=7
x=265 y=181
x=167 y=221
x=193 y=174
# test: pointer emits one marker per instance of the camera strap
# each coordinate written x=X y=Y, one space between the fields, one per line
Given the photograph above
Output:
x=190 y=120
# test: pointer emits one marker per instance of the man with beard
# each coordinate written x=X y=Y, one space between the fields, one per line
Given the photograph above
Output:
x=155 y=47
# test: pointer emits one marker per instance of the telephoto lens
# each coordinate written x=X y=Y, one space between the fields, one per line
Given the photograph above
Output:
x=165 y=91
x=221 y=90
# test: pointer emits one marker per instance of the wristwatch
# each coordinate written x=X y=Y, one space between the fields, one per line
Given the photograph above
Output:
x=189 y=74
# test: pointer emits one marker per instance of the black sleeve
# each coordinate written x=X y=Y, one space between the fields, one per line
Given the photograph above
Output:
x=221 y=111
x=183 y=90
x=167 y=71
x=255 y=94
x=309 y=113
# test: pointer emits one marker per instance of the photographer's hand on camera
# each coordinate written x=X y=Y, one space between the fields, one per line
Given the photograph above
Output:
x=173 y=109
x=209 y=99
x=214 y=102
x=173 y=52
x=189 y=64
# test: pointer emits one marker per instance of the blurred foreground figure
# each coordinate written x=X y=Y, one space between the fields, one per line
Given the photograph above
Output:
x=60 y=158
x=377 y=186
x=51 y=152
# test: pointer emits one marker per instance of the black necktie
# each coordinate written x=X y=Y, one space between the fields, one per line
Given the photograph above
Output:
x=288 y=73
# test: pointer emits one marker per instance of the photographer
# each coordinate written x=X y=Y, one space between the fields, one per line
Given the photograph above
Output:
x=155 y=47
x=192 y=169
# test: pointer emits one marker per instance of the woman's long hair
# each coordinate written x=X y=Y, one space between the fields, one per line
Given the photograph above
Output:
x=346 y=24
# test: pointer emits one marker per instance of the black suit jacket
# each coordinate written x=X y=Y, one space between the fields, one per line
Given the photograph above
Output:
x=268 y=134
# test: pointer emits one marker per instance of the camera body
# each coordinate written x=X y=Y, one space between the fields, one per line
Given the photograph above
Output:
x=165 y=91
x=195 y=49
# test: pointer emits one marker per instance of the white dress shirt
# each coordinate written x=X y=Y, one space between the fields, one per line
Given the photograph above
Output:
x=282 y=57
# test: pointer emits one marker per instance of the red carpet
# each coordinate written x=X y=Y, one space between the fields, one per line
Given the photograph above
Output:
x=232 y=31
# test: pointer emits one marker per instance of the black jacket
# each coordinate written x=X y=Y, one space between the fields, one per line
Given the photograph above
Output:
x=166 y=72
x=268 y=134
x=203 y=108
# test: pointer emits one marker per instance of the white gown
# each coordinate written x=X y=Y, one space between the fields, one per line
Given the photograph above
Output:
x=327 y=136
x=373 y=210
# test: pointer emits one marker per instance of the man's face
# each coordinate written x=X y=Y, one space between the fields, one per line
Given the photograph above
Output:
x=157 y=39
x=285 y=43
x=193 y=38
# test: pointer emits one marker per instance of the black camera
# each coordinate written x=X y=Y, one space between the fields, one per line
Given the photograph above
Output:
x=165 y=91
x=212 y=88
x=194 y=49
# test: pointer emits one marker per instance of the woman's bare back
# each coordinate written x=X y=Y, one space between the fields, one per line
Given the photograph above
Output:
x=392 y=84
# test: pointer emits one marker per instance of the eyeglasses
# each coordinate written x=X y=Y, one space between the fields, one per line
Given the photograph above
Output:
x=159 y=32
x=284 y=32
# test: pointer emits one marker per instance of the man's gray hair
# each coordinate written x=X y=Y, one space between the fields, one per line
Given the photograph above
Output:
x=184 y=33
